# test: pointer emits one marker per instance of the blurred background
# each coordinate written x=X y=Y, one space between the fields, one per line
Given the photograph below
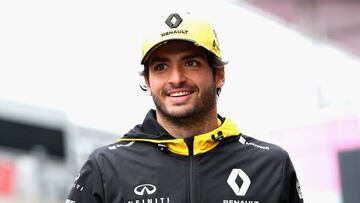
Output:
x=69 y=84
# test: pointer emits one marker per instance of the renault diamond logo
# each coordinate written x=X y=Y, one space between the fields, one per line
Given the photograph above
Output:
x=145 y=189
x=174 y=20
x=239 y=191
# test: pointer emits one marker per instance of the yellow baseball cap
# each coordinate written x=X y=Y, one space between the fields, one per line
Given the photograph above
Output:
x=180 y=26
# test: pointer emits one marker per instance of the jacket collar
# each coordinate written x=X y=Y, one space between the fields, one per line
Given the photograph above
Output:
x=151 y=131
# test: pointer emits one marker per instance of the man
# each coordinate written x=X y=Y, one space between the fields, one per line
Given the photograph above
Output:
x=184 y=152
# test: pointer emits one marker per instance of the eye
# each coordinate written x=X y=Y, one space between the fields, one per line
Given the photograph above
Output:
x=159 y=67
x=191 y=63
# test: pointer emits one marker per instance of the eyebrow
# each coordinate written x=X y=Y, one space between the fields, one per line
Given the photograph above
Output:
x=185 y=57
x=191 y=56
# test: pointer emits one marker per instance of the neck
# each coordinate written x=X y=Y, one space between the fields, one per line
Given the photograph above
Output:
x=189 y=126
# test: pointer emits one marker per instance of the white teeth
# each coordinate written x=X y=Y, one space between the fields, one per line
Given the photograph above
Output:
x=179 y=94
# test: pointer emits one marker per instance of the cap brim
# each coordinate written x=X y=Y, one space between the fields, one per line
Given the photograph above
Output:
x=153 y=48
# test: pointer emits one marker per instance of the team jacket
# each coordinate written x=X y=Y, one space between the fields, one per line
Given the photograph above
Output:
x=148 y=165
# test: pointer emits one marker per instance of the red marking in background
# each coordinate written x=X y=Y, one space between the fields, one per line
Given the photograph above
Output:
x=7 y=177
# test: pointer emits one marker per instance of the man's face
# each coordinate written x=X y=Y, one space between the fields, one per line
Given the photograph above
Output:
x=181 y=81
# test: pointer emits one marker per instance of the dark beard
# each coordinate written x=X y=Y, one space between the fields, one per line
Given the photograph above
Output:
x=192 y=117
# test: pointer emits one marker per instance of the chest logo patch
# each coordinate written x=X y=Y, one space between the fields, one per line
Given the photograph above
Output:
x=143 y=189
x=243 y=188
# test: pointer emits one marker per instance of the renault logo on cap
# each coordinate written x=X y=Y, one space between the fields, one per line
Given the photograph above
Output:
x=174 y=20
x=145 y=189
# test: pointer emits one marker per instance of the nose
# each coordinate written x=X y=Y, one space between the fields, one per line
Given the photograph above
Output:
x=177 y=76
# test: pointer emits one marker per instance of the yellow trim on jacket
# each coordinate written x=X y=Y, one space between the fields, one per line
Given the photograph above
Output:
x=202 y=143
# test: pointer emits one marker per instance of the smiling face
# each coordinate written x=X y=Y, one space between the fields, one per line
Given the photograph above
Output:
x=181 y=81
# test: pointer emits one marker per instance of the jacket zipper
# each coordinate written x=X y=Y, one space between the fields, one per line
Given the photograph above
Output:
x=190 y=144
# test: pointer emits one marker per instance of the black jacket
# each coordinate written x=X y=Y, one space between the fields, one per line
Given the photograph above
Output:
x=148 y=165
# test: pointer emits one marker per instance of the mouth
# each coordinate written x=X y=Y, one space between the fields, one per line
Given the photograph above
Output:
x=179 y=93
x=180 y=96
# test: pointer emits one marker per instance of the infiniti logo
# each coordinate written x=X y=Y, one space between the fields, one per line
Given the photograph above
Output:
x=145 y=189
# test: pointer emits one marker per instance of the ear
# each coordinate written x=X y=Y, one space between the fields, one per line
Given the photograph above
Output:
x=220 y=78
x=147 y=83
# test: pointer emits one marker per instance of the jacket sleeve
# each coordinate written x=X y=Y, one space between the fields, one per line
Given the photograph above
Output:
x=88 y=186
x=291 y=186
